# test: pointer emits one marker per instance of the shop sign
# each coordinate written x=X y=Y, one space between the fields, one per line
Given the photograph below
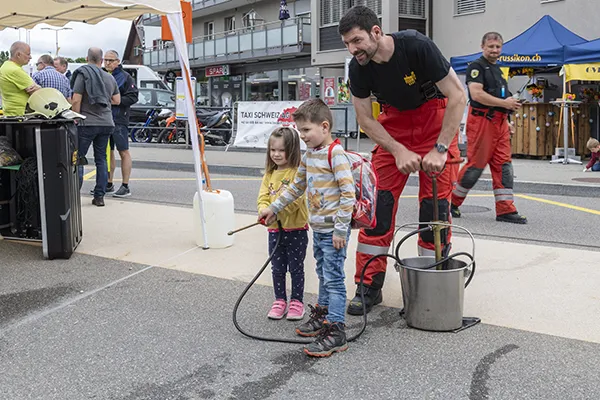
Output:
x=170 y=76
x=256 y=120
x=217 y=70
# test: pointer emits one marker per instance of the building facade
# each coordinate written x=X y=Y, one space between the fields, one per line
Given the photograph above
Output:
x=241 y=51
x=458 y=25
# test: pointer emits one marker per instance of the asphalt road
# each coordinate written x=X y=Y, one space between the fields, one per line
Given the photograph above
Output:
x=553 y=220
x=95 y=328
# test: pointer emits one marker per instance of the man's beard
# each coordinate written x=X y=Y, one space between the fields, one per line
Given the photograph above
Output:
x=367 y=56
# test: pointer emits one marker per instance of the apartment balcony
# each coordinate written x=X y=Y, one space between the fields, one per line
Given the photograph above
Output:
x=199 y=8
x=288 y=38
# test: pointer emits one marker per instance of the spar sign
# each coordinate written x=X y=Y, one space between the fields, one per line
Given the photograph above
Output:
x=257 y=119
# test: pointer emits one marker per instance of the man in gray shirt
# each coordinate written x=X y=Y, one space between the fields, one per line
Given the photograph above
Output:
x=94 y=91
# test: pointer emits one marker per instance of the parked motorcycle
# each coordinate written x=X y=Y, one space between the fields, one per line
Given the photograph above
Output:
x=215 y=126
x=174 y=131
x=155 y=117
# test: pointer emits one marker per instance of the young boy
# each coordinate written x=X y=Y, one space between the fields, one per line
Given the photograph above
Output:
x=330 y=196
x=594 y=165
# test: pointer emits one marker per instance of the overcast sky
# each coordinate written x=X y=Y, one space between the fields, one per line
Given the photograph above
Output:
x=108 y=34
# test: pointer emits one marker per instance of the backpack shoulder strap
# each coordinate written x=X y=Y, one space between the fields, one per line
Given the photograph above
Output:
x=331 y=146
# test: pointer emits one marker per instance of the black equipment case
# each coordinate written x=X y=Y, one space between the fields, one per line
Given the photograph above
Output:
x=53 y=144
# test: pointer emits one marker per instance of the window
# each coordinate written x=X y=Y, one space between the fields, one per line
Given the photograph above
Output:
x=209 y=30
x=300 y=83
x=165 y=98
x=251 y=19
x=144 y=97
x=411 y=8
x=469 y=6
x=333 y=10
x=262 y=86
x=230 y=24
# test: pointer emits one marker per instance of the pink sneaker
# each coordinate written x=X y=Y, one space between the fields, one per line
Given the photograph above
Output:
x=278 y=309
x=296 y=311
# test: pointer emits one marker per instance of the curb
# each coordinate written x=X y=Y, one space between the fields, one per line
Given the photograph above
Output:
x=558 y=189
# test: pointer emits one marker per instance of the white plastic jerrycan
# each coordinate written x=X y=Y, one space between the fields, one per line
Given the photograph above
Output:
x=220 y=219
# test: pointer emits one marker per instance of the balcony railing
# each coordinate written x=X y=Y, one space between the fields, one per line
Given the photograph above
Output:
x=270 y=39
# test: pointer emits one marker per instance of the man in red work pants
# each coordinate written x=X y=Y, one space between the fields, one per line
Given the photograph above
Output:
x=423 y=105
x=488 y=132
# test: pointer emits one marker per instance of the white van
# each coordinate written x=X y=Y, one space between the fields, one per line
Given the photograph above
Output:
x=144 y=76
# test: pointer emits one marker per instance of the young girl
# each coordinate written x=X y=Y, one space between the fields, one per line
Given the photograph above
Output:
x=283 y=159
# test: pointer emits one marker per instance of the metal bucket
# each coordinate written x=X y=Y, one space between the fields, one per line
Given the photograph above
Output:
x=433 y=299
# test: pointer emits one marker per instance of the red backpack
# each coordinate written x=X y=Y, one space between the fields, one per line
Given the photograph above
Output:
x=365 y=185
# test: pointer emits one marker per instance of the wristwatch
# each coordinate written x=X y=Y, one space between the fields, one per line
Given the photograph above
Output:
x=441 y=148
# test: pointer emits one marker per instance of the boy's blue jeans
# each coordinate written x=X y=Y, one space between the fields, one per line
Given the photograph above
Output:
x=596 y=167
x=330 y=270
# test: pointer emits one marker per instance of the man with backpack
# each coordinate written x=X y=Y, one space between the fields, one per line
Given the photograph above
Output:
x=423 y=103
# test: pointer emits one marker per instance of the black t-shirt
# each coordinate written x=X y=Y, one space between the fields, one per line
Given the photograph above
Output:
x=490 y=76
x=416 y=64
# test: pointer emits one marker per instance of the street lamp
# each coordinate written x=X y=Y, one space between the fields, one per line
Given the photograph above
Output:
x=56 y=30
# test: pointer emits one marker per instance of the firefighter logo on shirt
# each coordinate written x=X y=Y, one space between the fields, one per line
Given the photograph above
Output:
x=410 y=79
x=474 y=73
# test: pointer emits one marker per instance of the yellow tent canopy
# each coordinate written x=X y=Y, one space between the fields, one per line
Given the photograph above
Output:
x=581 y=72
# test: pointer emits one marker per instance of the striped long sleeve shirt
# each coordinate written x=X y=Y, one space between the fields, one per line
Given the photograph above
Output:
x=329 y=190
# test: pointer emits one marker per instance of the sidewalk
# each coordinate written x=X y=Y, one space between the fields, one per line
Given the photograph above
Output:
x=531 y=176
x=516 y=285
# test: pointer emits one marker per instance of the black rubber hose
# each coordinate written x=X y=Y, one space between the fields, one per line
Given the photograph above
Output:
x=362 y=295
x=297 y=341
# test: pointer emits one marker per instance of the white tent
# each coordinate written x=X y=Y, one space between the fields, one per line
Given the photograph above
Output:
x=29 y=13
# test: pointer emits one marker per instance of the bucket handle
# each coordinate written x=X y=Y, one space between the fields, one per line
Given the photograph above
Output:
x=470 y=266
x=428 y=228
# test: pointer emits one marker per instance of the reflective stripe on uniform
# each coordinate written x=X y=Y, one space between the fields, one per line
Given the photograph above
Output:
x=371 y=250
x=504 y=197
x=460 y=191
x=503 y=194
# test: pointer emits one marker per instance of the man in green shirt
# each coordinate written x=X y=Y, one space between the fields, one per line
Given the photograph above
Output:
x=15 y=84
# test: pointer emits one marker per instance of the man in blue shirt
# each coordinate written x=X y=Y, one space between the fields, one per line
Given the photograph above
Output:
x=61 y=64
x=48 y=77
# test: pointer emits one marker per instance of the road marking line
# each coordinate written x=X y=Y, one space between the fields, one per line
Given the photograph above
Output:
x=89 y=175
x=559 y=204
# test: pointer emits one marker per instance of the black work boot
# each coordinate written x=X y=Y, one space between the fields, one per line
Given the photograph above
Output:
x=313 y=326
x=331 y=339
x=372 y=298
x=513 y=218
x=455 y=211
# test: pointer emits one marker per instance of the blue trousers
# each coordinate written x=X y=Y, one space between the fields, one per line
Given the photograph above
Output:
x=330 y=270
x=98 y=136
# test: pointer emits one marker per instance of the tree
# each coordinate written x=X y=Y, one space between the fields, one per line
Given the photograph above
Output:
x=80 y=60
x=4 y=56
